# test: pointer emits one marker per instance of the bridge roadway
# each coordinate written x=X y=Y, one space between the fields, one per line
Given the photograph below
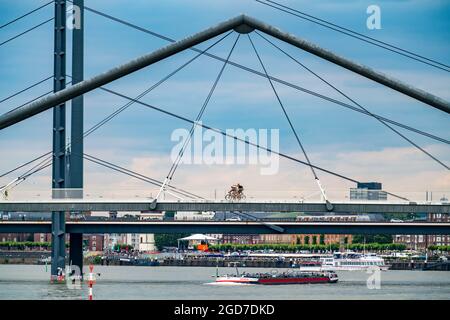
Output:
x=254 y=206
x=234 y=227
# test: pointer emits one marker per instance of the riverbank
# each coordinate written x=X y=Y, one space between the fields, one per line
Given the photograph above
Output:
x=43 y=257
x=23 y=257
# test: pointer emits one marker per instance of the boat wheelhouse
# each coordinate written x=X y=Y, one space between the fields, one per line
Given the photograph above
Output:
x=348 y=261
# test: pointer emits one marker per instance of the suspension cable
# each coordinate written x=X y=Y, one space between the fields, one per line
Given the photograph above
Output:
x=242 y=140
x=200 y=113
x=107 y=164
x=22 y=178
x=23 y=165
x=27 y=88
x=316 y=178
x=38 y=97
x=24 y=15
x=245 y=68
x=175 y=164
x=296 y=87
x=98 y=125
x=358 y=36
x=356 y=103
x=121 y=171
x=26 y=31
x=37 y=158
x=158 y=182
x=40 y=166
x=137 y=175
x=44 y=163
x=283 y=108
x=230 y=62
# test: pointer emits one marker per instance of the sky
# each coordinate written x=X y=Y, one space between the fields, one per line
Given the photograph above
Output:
x=335 y=138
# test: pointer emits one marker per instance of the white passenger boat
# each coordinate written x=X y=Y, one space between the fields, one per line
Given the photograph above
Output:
x=349 y=261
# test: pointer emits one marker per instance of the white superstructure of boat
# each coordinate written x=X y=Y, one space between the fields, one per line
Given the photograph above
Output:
x=349 y=261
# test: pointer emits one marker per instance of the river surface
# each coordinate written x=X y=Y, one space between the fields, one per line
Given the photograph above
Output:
x=134 y=282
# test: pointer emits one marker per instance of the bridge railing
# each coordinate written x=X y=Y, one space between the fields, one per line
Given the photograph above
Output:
x=252 y=195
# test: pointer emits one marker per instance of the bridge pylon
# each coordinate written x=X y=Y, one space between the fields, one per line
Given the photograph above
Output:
x=59 y=137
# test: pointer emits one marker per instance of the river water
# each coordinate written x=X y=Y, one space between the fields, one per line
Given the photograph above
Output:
x=132 y=282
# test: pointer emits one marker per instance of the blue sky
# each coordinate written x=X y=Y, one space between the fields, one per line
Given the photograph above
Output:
x=338 y=139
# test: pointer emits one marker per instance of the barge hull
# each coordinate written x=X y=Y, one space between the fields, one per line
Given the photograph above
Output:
x=276 y=281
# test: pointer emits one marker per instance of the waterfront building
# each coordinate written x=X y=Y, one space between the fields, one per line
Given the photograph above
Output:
x=325 y=239
x=194 y=216
x=416 y=242
x=21 y=237
x=93 y=242
x=151 y=215
x=286 y=238
x=442 y=239
x=368 y=191
x=422 y=242
x=16 y=237
x=277 y=238
x=241 y=238
x=112 y=239
x=298 y=238
x=147 y=242
x=42 y=237
x=132 y=239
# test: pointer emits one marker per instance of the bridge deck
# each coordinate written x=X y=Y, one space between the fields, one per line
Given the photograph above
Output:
x=242 y=227
x=258 y=206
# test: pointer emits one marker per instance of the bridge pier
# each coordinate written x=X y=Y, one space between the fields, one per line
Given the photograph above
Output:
x=58 y=245
x=76 y=149
x=77 y=110
x=59 y=143
x=76 y=251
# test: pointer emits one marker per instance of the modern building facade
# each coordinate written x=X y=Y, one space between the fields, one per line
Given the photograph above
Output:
x=16 y=237
x=194 y=216
x=368 y=191
x=147 y=242
x=422 y=242
x=94 y=242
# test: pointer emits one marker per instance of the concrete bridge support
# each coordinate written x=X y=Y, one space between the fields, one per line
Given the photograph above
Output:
x=58 y=244
x=59 y=137
x=76 y=251
x=77 y=119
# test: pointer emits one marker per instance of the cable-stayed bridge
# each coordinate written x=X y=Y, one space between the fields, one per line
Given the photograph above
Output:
x=66 y=159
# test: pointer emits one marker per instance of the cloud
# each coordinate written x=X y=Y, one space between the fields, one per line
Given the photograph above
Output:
x=403 y=171
x=241 y=100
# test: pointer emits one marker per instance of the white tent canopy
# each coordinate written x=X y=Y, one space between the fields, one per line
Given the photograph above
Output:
x=198 y=237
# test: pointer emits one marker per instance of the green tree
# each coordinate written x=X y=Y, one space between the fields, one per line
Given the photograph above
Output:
x=306 y=239
x=382 y=238
x=371 y=238
x=315 y=240
x=168 y=239
x=322 y=239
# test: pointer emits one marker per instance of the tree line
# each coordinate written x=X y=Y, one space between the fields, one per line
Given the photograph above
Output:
x=307 y=247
